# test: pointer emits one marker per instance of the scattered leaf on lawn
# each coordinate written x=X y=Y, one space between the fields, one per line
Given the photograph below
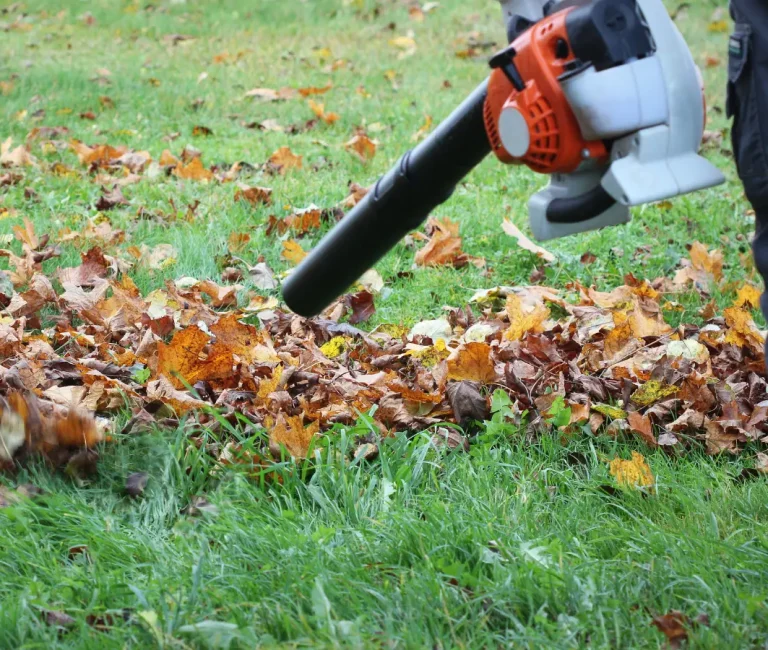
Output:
x=292 y=251
x=633 y=473
x=513 y=231
x=284 y=160
x=362 y=147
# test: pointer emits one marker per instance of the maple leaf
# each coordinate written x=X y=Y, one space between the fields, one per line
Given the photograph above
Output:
x=301 y=222
x=742 y=330
x=472 y=362
x=704 y=268
x=100 y=156
x=182 y=361
x=243 y=340
x=254 y=195
x=633 y=473
x=313 y=90
x=290 y=432
x=524 y=318
x=238 y=241
x=193 y=170
x=748 y=296
x=362 y=147
x=292 y=251
x=284 y=160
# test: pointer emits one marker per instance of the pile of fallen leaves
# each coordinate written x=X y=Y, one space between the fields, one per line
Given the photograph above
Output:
x=578 y=361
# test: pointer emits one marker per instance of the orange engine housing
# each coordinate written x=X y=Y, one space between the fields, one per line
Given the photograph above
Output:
x=556 y=143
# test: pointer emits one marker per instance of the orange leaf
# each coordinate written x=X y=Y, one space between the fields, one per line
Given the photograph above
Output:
x=312 y=90
x=319 y=110
x=284 y=159
x=362 y=147
x=254 y=195
x=290 y=432
x=472 y=362
x=182 y=360
x=193 y=170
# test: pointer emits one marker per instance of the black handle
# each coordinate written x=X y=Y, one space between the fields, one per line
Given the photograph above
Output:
x=400 y=201
x=580 y=208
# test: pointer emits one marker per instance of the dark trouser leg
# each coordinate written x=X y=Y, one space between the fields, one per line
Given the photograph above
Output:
x=748 y=105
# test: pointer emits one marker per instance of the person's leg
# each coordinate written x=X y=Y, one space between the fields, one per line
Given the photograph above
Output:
x=748 y=105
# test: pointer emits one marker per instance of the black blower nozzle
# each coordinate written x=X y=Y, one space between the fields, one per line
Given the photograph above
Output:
x=399 y=202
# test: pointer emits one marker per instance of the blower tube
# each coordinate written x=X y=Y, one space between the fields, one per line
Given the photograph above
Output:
x=400 y=201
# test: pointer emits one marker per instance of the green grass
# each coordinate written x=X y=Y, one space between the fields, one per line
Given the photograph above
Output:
x=514 y=544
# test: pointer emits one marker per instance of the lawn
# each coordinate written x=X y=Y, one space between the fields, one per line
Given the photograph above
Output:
x=523 y=540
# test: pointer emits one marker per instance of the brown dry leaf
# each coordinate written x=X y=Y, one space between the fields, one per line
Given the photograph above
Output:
x=269 y=95
x=319 y=111
x=237 y=242
x=110 y=199
x=155 y=258
x=356 y=194
x=193 y=170
x=18 y=157
x=290 y=432
x=292 y=251
x=179 y=401
x=633 y=473
x=220 y=296
x=361 y=305
x=472 y=362
x=641 y=425
x=101 y=155
x=183 y=361
x=513 y=231
x=254 y=195
x=243 y=340
x=704 y=268
x=444 y=247
x=673 y=625
x=284 y=159
x=362 y=147
x=301 y=222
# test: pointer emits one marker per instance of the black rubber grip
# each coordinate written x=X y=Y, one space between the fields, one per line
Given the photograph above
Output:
x=580 y=208
x=399 y=202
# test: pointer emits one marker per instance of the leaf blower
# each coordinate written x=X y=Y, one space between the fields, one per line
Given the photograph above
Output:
x=601 y=95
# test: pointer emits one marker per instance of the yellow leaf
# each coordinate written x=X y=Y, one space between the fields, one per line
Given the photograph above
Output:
x=633 y=473
x=718 y=26
x=292 y=251
x=422 y=132
x=335 y=347
x=748 y=296
x=524 y=319
x=290 y=432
